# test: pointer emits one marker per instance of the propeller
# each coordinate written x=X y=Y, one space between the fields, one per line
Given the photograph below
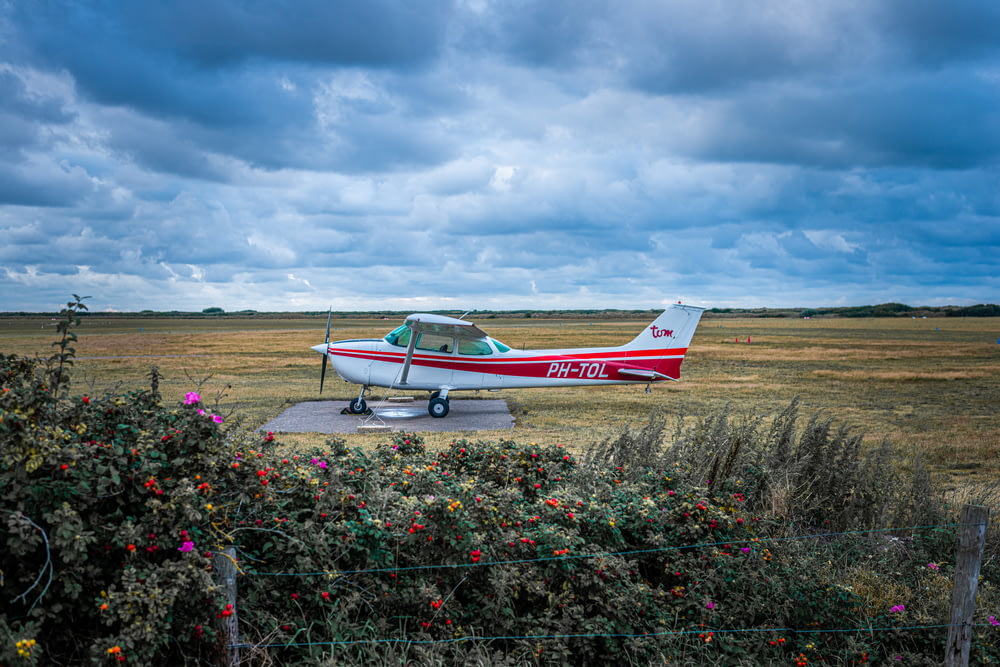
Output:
x=326 y=342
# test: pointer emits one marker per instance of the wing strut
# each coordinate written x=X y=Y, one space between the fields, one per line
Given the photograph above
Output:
x=409 y=356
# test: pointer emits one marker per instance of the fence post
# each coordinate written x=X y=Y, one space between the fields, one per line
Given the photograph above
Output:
x=972 y=537
x=224 y=566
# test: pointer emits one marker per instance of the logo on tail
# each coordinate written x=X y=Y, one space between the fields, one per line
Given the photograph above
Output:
x=657 y=332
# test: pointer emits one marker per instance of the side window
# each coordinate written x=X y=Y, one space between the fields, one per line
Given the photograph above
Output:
x=474 y=347
x=435 y=343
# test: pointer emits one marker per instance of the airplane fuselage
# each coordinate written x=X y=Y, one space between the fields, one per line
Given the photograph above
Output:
x=375 y=362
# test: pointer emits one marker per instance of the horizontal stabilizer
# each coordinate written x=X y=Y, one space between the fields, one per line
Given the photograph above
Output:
x=645 y=374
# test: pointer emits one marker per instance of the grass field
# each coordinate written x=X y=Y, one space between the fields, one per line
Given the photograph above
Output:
x=930 y=385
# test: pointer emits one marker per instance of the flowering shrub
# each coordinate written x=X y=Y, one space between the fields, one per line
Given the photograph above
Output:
x=102 y=508
x=112 y=507
x=515 y=541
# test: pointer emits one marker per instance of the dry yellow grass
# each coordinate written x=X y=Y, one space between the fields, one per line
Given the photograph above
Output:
x=910 y=376
x=931 y=386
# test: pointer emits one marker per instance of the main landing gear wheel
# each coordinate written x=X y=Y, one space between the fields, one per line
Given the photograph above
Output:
x=358 y=406
x=438 y=407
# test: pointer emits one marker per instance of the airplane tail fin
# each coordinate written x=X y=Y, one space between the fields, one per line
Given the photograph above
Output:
x=664 y=342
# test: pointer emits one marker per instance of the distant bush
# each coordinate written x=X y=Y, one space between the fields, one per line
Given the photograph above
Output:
x=981 y=310
x=708 y=542
x=902 y=310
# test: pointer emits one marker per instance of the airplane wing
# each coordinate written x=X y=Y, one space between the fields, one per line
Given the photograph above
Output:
x=439 y=324
x=442 y=324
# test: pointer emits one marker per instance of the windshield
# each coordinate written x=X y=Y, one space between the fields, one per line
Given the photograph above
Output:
x=399 y=336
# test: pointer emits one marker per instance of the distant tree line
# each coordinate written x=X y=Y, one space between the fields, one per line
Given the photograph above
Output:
x=902 y=310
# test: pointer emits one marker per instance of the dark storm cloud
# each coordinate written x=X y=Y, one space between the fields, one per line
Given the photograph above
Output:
x=217 y=67
x=144 y=46
x=549 y=34
x=943 y=120
x=836 y=84
x=934 y=32
x=16 y=101
x=697 y=46
x=26 y=120
x=26 y=183
x=164 y=148
x=217 y=33
x=113 y=64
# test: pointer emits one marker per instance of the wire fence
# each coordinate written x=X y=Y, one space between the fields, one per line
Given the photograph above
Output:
x=605 y=554
x=603 y=635
x=700 y=631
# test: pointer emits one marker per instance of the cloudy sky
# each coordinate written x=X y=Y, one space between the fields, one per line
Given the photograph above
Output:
x=474 y=154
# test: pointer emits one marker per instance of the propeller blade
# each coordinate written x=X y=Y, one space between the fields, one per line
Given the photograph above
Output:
x=326 y=341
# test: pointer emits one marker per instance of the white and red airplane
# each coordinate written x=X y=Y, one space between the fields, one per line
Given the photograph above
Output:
x=443 y=354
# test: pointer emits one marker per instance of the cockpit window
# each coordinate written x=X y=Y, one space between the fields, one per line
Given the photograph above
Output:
x=474 y=347
x=499 y=346
x=399 y=336
x=435 y=342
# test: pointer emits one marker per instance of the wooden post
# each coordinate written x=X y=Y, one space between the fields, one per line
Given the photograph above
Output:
x=972 y=537
x=224 y=566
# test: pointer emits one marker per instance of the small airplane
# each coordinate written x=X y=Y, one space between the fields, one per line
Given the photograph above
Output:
x=443 y=354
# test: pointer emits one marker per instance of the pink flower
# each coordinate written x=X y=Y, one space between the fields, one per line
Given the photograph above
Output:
x=710 y=605
x=934 y=566
x=191 y=398
x=899 y=608
x=993 y=621
x=186 y=546
x=217 y=419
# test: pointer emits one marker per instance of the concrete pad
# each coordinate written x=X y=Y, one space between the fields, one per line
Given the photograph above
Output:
x=326 y=417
